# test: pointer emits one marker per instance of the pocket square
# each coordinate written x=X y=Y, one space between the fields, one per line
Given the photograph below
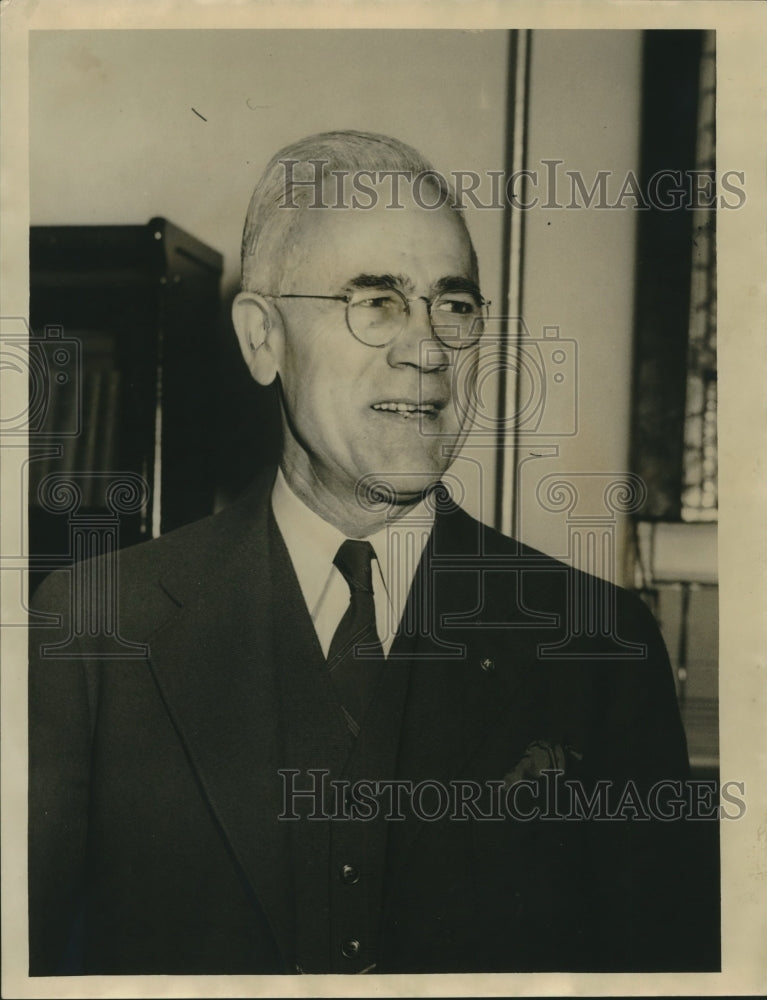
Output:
x=540 y=756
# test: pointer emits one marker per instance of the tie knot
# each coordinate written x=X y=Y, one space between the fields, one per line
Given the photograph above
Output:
x=353 y=559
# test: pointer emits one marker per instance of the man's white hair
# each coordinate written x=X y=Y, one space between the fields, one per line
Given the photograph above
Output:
x=271 y=227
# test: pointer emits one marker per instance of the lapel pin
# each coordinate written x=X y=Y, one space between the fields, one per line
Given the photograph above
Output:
x=487 y=665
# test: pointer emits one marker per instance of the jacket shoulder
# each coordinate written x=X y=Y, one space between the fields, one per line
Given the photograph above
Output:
x=547 y=582
x=147 y=577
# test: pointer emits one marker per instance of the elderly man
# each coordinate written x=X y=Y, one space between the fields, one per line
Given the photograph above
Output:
x=340 y=745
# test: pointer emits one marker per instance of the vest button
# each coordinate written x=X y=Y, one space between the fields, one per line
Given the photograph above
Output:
x=349 y=874
x=350 y=948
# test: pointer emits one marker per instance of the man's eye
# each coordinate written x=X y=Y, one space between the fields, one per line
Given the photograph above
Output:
x=456 y=306
x=376 y=302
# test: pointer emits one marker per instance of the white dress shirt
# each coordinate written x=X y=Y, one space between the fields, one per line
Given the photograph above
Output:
x=313 y=543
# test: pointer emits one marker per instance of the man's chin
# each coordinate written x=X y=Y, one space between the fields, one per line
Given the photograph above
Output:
x=396 y=491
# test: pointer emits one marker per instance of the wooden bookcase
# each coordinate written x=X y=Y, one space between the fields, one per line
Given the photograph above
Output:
x=123 y=339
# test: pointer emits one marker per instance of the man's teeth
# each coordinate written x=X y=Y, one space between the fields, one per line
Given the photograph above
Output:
x=406 y=407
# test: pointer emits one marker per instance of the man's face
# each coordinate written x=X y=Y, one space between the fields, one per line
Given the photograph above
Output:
x=349 y=406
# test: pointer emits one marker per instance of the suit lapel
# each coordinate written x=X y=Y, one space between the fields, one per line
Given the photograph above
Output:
x=466 y=674
x=214 y=666
x=491 y=692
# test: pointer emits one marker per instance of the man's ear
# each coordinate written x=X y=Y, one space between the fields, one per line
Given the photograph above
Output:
x=259 y=332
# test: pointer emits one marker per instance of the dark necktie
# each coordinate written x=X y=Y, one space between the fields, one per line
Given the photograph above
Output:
x=355 y=657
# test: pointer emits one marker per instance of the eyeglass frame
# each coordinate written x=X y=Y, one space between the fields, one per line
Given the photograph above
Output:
x=484 y=304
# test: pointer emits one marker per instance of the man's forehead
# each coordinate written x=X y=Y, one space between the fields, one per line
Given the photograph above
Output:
x=382 y=239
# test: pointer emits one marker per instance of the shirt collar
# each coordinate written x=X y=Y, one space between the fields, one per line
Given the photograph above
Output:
x=313 y=543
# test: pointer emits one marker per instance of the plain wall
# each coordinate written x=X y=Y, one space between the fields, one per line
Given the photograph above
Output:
x=584 y=109
x=114 y=138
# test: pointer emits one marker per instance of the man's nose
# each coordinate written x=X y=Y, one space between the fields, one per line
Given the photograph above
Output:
x=416 y=344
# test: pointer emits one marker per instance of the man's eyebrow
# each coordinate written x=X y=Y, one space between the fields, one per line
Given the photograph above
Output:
x=457 y=283
x=380 y=281
x=450 y=283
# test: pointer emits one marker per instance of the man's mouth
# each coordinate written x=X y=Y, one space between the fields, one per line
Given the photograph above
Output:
x=405 y=408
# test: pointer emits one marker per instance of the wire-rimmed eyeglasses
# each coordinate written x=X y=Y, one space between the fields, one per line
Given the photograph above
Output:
x=375 y=316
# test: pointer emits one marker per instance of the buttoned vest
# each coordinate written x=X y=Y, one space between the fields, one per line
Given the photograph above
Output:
x=338 y=862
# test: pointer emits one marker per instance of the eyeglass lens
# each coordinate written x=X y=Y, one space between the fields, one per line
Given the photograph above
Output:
x=377 y=315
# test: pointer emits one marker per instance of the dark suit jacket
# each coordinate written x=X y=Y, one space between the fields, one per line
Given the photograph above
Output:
x=154 y=789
